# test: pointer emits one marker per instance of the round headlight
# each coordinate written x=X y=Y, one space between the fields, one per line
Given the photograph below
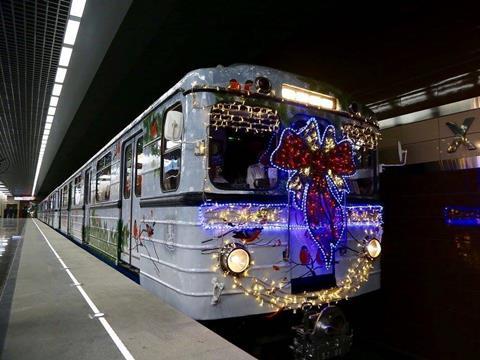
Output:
x=374 y=248
x=235 y=258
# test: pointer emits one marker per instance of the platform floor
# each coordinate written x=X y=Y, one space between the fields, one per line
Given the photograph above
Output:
x=43 y=315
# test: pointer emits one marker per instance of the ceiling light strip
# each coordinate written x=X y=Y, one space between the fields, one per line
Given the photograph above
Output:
x=76 y=12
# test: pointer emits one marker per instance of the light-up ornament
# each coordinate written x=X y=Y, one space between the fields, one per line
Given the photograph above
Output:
x=317 y=165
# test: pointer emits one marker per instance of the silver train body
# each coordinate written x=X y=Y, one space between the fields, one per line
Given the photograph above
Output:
x=142 y=200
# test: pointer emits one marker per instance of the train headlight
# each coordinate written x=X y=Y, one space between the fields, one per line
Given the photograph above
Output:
x=235 y=259
x=374 y=248
x=294 y=93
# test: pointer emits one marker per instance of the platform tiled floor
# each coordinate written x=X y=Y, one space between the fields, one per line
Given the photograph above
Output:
x=42 y=316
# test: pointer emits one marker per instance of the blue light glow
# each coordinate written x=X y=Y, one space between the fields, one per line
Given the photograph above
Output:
x=462 y=216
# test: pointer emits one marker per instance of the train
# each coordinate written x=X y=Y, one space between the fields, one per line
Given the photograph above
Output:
x=242 y=190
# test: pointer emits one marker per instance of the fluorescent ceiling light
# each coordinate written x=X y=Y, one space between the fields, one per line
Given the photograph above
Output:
x=65 y=56
x=71 y=32
x=54 y=101
x=76 y=10
x=57 y=89
x=61 y=73
x=77 y=7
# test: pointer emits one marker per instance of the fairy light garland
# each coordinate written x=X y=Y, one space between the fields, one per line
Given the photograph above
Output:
x=364 y=215
x=243 y=117
x=243 y=215
x=362 y=136
x=274 y=294
x=224 y=216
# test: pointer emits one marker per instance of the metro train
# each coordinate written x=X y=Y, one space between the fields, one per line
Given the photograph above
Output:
x=242 y=190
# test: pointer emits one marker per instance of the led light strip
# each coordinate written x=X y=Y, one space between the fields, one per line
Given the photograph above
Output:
x=76 y=12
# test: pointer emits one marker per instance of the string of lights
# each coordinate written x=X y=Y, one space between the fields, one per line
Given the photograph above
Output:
x=366 y=137
x=244 y=117
x=275 y=294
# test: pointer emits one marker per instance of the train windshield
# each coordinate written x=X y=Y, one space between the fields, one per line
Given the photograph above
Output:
x=243 y=137
x=240 y=161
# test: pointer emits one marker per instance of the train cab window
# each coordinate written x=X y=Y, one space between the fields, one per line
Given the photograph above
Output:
x=127 y=174
x=104 y=168
x=138 y=167
x=65 y=197
x=77 y=191
x=171 y=157
x=240 y=160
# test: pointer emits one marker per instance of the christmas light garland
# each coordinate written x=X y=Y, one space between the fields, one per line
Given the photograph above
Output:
x=362 y=136
x=243 y=117
x=318 y=165
x=364 y=215
x=227 y=216
x=274 y=294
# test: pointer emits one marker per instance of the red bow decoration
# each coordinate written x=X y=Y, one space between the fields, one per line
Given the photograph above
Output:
x=317 y=168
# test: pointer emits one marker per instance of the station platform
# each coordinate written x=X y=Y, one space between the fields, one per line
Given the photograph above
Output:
x=57 y=301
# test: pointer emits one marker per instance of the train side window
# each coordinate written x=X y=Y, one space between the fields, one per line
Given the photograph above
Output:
x=77 y=191
x=104 y=169
x=171 y=158
x=87 y=187
x=138 y=167
x=65 y=197
x=127 y=173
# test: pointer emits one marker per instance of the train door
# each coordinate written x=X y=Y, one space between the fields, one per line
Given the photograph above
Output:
x=69 y=209
x=131 y=193
x=86 y=202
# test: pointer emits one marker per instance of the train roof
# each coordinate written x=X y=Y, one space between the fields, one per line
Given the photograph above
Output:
x=219 y=77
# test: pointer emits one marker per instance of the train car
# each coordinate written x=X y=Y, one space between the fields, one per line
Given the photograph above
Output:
x=240 y=191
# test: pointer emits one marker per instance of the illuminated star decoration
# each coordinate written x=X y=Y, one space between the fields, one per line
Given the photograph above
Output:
x=460 y=132
x=317 y=168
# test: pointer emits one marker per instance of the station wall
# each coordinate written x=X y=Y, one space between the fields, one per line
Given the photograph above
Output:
x=428 y=140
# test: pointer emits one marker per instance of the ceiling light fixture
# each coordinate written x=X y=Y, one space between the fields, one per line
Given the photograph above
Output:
x=77 y=8
x=61 y=73
x=65 y=56
x=54 y=101
x=71 y=32
x=57 y=89
x=76 y=11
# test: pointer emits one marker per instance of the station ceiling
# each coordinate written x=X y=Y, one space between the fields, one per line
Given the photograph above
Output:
x=374 y=52
x=31 y=36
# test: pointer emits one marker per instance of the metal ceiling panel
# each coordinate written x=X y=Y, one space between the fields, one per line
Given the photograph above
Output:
x=31 y=36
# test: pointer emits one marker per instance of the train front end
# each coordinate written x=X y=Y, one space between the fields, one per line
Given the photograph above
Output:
x=291 y=214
